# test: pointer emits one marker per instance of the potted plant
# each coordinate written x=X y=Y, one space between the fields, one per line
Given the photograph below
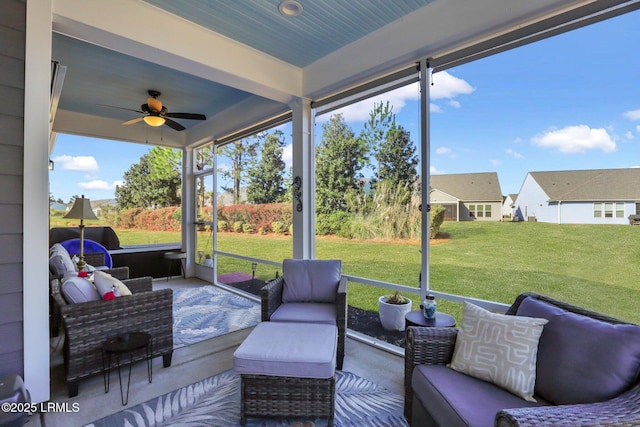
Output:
x=392 y=309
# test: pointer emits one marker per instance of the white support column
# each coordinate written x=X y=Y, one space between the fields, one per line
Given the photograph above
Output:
x=35 y=208
x=304 y=188
x=188 y=211
x=425 y=144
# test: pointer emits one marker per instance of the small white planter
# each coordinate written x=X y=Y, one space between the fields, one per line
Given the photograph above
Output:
x=392 y=315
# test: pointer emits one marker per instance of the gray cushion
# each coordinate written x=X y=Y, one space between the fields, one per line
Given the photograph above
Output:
x=300 y=350
x=77 y=290
x=457 y=399
x=580 y=359
x=58 y=250
x=306 y=312
x=310 y=280
x=57 y=266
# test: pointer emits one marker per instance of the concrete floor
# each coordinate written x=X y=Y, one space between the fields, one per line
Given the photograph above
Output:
x=191 y=364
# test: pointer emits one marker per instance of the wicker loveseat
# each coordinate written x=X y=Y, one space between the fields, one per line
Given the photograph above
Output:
x=89 y=324
x=587 y=374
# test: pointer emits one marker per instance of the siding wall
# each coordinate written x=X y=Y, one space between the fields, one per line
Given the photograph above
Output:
x=12 y=59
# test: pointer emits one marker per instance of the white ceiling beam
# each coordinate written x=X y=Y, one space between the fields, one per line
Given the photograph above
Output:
x=173 y=42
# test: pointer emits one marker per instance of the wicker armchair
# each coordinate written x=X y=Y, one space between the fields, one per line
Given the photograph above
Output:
x=435 y=346
x=88 y=325
x=272 y=294
x=93 y=258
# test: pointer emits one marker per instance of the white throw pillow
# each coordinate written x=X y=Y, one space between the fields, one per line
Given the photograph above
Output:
x=104 y=282
x=498 y=348
x=58 y=249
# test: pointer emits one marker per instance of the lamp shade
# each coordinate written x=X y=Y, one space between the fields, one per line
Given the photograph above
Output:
x=81 y=209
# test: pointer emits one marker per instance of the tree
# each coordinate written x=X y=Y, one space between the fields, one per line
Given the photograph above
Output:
x=241 y=154
x=340 y=158
x=397 y=160
x=381 y=120
x=266 y=179
x=145 y=189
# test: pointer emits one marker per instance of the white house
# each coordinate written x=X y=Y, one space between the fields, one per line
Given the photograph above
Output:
x=509 y=206
x=602 y=196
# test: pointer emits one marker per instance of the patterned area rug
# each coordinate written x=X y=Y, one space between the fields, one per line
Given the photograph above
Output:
x=205 y=312
x=215 y=401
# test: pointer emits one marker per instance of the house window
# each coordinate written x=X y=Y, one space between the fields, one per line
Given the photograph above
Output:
x=480 y=211
x=608 y=210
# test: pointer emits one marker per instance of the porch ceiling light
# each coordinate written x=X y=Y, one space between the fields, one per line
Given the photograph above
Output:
x=154 y=121
x=290 y=8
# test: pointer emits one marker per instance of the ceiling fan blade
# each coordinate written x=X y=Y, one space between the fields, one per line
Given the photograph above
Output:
x=132 y=121
x=120 y=108
x=173 y=125
x=189 y=116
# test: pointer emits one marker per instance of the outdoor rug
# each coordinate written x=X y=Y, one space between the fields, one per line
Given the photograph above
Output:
x=215 y=401
x=206 y=312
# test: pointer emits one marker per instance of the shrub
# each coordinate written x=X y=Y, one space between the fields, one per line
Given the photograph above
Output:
x=237 y=226
x=262 y=231
x=278 y=227
x=223 y=226
x=437 y=218
x=333 y=223
x=248 y=228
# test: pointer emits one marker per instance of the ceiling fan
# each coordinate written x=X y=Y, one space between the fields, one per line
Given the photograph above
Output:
x=156 y=114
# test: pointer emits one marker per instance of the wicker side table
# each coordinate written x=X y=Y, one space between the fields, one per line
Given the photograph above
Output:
x=287 y=370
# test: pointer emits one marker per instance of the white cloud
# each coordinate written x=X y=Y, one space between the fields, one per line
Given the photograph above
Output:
x=515 y=154
x=576 y=140
x=287 y=155
x=495 y=162
x=435 y=108
x=453 y=103
x=632 y=114
x=435 y=171
x=77 y=163
x=443 y=150
x=98 y=184
x=629 y=135
x=445 y=86
x=638 y=128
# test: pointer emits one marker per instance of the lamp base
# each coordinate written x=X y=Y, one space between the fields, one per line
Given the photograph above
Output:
x=81 y=264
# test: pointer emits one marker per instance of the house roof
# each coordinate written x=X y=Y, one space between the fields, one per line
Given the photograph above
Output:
x=483 y=186
x=590 y=185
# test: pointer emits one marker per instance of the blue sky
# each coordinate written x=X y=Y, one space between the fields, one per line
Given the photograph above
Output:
x=569 y=102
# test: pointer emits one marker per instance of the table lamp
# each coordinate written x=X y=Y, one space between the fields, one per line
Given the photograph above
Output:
x=81 y=210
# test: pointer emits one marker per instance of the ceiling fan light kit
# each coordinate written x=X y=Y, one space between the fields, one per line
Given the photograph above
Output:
x=154 y=121
x=156 y=114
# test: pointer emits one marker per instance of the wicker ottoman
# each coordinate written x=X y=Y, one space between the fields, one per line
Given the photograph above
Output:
x=287 y=370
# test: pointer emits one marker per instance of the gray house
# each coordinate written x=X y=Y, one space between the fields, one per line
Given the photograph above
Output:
x=468 y=196
x=602 y=196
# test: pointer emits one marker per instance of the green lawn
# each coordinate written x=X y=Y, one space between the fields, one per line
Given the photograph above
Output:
x=594 y=266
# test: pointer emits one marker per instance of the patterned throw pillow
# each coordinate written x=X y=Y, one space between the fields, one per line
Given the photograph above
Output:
x=498 y=348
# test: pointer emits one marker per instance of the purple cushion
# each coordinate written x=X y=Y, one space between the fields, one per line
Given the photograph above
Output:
x=580 y=359
x=308 y=280
x=456 y=399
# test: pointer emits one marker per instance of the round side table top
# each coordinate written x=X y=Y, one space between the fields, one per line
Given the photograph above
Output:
x=127 y=342
x=416 y=318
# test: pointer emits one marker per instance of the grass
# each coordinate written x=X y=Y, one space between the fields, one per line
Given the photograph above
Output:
x=593 y=266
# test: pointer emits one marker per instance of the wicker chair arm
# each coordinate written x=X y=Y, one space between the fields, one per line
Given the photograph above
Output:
x=120 y=273
x=95 y=259
x=623 y=410
x=341 y=302
x=271 y=297
x=139 y=284
x=433 y=346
